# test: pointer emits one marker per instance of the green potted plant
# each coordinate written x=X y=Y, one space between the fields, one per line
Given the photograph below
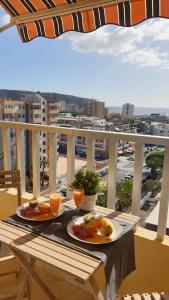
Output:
x=90 y=183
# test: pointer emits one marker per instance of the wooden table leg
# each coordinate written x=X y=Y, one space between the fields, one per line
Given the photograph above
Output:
x=23 y=287
x=28 y=292
x=96 y=292
x=30 y=271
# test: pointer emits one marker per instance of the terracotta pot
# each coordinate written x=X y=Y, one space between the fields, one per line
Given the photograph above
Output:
x=88 y=202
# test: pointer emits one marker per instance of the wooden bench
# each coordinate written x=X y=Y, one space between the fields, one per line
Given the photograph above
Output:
x=145 y=296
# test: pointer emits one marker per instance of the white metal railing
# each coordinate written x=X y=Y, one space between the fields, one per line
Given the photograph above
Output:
x=111 y=137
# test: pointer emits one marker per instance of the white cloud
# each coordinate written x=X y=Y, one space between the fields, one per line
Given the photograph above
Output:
x=141 y=45
x=156 y=30
x=104 y=41
x=4 y=19
x=147 y=57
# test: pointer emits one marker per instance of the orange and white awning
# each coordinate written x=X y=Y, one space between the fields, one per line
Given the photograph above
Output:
x=51 y=18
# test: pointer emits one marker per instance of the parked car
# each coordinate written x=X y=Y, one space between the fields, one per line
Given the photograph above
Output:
x=63 y=191
x=103 y=172
x=100 y=174
x=130 y=158
x=128 y=177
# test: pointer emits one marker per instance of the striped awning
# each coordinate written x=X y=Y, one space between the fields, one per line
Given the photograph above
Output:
x=51 y=18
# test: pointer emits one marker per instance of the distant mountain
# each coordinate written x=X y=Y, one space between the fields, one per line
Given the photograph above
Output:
x=50 y=97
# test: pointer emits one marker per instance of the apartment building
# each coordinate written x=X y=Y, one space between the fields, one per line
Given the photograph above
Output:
x=160 y=129
x=95 y=108
x=30 y=108
x=91 y=123
x=128 y=110
x=83 y=122
x=14 y=111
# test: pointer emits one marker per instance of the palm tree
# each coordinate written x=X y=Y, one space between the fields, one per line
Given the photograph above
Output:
x=154 y=161
x=124 y=194
x=43 y=163
x=153 y=186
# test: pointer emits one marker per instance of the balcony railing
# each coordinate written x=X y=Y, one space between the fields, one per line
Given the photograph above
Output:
x=112 y=139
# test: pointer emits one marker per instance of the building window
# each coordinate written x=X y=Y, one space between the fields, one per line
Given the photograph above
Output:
x=44 y=151
x=43 y=119
x=23 y=116
x=44 y=134
x=44 y=143
x=43 y=110
x=37 y=116
x=54 y=107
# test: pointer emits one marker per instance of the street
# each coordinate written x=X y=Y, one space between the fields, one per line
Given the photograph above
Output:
x=124 y=167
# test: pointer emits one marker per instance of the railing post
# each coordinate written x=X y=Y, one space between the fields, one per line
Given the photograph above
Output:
x=70 y=162
x=164 y=199
x=91 y=154
x=20 y=142
x=36 y=163
x=111 y=188
x=137 y=180
x=6 y=148
x=52 y=161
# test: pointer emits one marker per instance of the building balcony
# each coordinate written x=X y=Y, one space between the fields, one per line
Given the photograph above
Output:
x=151 y=247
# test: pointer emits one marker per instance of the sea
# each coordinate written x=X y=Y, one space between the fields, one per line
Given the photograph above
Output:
x=142 y=110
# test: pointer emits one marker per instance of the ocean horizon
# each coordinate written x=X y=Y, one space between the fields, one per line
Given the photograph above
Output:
x=142 y=110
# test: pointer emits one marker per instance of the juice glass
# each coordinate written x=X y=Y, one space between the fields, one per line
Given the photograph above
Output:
x=78 y=196
x=55 y=203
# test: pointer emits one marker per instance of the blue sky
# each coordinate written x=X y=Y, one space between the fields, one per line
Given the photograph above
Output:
x=112 y=64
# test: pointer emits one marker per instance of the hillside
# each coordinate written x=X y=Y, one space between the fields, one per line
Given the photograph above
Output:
x=51 y=97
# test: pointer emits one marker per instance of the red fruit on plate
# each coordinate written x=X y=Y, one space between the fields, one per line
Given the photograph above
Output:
x=28 y=212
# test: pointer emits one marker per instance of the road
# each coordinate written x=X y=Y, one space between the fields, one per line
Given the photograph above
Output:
x=124 y=167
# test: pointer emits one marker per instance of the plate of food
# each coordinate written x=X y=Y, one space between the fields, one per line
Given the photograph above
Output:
x=37 y=211
x=94 y=229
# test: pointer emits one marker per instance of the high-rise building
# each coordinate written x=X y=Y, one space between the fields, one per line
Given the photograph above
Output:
x=30 y=108
x=128 y=110
x=95 y=108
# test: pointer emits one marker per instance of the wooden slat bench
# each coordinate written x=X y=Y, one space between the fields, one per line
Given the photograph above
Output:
x=70 y=265
x=145 y=296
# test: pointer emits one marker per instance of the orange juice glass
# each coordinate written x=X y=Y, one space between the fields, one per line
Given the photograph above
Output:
x=78 y=196
x=55 y=203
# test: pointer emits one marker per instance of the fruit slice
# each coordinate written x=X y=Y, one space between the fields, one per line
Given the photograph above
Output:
x=44 y=207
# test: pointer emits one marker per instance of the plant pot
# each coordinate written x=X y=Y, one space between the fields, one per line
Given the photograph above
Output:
x=88 y=202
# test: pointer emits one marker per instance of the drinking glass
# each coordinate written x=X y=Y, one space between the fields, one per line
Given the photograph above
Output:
x=55 y=203
x=78 y=196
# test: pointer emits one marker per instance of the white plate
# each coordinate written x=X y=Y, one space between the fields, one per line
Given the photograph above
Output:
x=117 y=231
x=44 y=217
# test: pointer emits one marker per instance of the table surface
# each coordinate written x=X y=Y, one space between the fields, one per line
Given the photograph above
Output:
x=66 y=260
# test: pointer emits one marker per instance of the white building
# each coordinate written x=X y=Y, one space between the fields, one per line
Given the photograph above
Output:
x=159 y=129
x=128 y=110
x=98 y=122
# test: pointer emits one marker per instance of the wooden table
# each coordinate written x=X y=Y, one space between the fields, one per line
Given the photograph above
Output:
x=71 y=265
